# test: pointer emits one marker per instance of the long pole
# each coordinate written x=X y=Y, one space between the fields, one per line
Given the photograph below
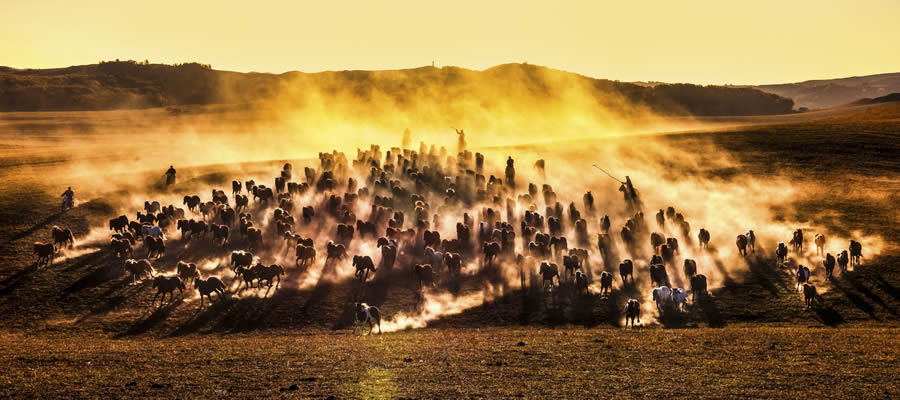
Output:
x=608 y=174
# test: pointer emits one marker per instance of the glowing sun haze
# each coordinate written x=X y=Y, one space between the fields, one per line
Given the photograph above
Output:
x=746 y=42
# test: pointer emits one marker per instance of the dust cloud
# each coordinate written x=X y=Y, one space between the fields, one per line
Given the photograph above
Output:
x=119 y=157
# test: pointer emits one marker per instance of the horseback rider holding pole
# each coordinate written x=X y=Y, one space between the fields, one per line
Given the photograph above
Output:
x=631 y=196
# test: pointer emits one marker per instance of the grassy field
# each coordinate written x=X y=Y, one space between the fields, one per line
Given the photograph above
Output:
x=738 y=362
x=78 y=328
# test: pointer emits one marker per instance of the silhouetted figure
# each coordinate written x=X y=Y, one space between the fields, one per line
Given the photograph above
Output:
x=170 y=176
x=68 y=199
x=510 y=173
x=461 y=144
x=632 y=200
x=539 y=165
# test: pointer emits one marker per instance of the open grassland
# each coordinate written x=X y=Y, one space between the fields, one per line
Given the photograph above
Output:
x=736 y=362
x=78 y=328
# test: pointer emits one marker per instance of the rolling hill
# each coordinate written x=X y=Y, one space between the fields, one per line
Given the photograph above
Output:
x=129 y=84
x=818 y=94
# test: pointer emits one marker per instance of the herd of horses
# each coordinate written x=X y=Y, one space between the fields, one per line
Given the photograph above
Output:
x=426 y=212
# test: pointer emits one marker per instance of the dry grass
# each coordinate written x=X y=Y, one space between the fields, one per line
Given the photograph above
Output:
x=738 y=362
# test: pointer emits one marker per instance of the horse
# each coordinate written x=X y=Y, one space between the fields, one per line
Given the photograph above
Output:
x=425 y=273
x=797 y=240
x=435 y=258
x=166 y=285
x=656 y=240
x=453 y=261
x=581 y=283
x=829 y=263
x=268 y=274
x=366 y=314
x=254 y=238
x=659 y=275
x=855 y=252
x=662 y=295
x=570 y=263
x=209 y=285
x=151 y=207
x=138 y=268
x=150 y=230
x=188 y=272
x=548 y=270
x=220 y=232
x=606 y=281
x=388 y=255
x=490 y=250
x=690 y=267
x=632 y=312
x=62 y=237
x=240 y=258
x=809 y=295
x=703 y=237
x=118 y=224
x=363 y=265
x=247 y=276
x=780 y=253
x=626 y=268
x=751 y=240
x=679 y=298
x=121 y=247
x=672 y=244
x=843 y=259
x=155 y=246
x=306 y=255
x=820 y=243
x=45 y=252
x=335 y=250
x=741 y=243
x=698 y=286
x=802 y=276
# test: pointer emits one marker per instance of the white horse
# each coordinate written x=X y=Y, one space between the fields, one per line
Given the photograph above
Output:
x=434 y=258
x=679 y=298
x=366 y=314
x=662 y=295
x=151 y=230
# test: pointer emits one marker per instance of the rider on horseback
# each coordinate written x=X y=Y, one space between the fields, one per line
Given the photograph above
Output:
x=170 y=175
x=68 y=199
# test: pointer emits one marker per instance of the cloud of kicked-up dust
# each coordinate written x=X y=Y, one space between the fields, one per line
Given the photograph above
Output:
x=120 y=156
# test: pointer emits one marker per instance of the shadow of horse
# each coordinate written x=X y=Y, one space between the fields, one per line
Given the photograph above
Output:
x=40 y=225
x=160 y=314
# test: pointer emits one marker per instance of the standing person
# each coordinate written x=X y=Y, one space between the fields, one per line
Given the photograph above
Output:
x=68 y=199
x=461 y=144
x=170 y=176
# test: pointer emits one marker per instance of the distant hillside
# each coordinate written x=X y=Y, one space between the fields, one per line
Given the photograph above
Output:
x=819 y=94
x=128 y=84
x=893 y=97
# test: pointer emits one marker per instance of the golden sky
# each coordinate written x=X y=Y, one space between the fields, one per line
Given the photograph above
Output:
x=740 y=42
